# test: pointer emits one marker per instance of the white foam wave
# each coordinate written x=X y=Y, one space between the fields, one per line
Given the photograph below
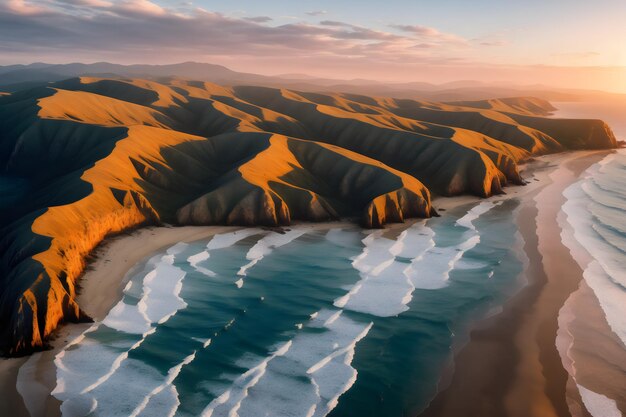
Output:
x=79 y=407
x=432 y=271
x=239 y=391
x=78 y=372
x=205 y=342
x=597 y=404
x=414 y=241
x=160 y=300
x=124 y=390
x=612 y=299
x=474 y=213
x=383 y=295
x=225 y=240
x=336 y=376
x=343 y=300
x=79 y=376
x=601 y=195
x=219 y=241
x=387 y=282
x=383 y=289
x=376 y=253
x=267 y=244
x=606 y=273
x=194 y=260
x=176 y=249
x=274 y=387
x=341 y=237
x=163 y=400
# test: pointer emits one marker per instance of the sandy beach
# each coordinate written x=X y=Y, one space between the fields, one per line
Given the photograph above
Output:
x=523 y=375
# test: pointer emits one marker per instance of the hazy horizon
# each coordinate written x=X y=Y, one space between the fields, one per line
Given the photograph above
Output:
x=440 y=80
x=405 y=41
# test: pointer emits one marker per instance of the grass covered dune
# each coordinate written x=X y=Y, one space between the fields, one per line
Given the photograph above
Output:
x=86 y=158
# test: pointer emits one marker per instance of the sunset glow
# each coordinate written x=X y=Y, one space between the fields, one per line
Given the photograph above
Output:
x=562 y=43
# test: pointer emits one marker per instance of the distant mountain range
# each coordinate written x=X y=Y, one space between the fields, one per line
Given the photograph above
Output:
x=17 y=77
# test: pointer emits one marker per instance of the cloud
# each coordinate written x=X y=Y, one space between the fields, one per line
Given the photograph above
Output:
x=88 y=3
x=425 y=32
x=493 y=43
x=259 y=19
x=143 y=31
x=345 y=30
x=333 y=23
x=417 y=30
x=578 y=55
x=141 y=7
x=316 y=13
x=23 y=7
x=576 y=58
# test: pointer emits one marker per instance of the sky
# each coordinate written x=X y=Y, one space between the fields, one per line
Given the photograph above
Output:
x=565 y=43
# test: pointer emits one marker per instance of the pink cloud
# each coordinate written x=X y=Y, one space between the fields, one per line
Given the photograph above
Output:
x=23 y=7
x=140 y=27
x=86 y=3
x=432 y=34
x=138 y=6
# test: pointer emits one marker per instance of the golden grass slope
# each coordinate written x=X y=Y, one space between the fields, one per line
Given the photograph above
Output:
x=529 y=106
x=88 y=157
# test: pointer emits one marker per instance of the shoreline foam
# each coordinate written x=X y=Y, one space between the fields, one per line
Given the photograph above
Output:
x=591 y=328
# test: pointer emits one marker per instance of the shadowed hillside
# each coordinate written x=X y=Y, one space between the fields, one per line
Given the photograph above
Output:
x=89 y=157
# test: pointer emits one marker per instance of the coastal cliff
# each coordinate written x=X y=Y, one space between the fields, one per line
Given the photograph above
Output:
x=86 y=158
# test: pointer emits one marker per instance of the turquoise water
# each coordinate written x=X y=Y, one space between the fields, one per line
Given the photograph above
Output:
x=340 y=322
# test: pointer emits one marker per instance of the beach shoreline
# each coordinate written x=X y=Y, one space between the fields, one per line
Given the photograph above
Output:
x=525 y=376
x=104 y=279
